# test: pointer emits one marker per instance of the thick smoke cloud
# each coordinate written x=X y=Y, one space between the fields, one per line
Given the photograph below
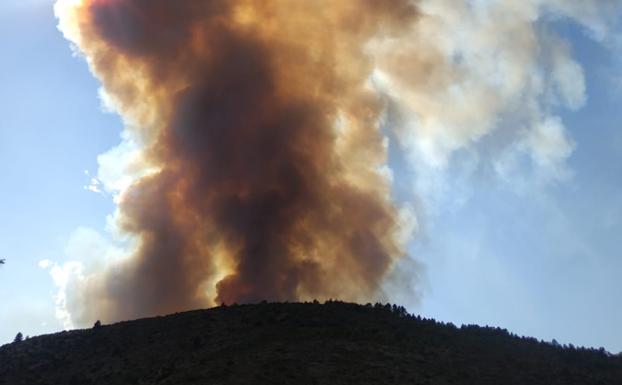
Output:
x=254 y=161
x=260 y=147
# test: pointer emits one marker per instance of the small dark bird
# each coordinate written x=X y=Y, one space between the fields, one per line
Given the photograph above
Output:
x=2 y=261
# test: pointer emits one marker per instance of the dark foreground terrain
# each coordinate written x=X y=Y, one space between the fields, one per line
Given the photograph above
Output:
x=334 y=343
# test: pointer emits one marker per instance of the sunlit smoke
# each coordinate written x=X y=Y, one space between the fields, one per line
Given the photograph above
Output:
x=259 y=163
x=254 y=162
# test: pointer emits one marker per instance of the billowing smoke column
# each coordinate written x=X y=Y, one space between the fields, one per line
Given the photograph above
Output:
x=261 y=156
x=254 y=160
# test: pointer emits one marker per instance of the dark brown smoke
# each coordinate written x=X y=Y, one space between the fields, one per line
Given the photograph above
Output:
x=261 y=135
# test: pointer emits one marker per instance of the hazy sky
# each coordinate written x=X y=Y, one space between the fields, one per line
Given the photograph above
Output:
x=541 y=258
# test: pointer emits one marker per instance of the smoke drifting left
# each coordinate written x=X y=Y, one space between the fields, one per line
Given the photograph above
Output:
x=262 y=139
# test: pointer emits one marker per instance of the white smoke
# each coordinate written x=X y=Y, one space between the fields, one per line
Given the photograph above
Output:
x=491 y=67
x=497 y=78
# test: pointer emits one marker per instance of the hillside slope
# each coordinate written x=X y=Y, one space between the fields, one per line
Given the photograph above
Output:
x=334 y=343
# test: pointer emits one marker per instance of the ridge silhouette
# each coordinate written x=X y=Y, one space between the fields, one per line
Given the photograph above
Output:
x=300 y=343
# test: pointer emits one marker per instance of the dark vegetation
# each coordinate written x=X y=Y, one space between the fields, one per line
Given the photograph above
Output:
x=333 y=343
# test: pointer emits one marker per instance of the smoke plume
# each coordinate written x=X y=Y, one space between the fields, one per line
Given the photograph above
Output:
x=254 y=160
x=260 y=152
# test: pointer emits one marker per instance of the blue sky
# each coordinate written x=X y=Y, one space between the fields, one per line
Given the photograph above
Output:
x=542 y=260
x=51 y=131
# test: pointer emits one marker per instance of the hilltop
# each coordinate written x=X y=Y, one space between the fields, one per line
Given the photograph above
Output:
x=296 y=343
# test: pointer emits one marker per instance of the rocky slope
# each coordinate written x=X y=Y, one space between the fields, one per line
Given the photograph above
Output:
x=334 y=343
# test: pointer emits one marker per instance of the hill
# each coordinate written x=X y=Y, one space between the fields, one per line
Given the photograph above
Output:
x=295 y=343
